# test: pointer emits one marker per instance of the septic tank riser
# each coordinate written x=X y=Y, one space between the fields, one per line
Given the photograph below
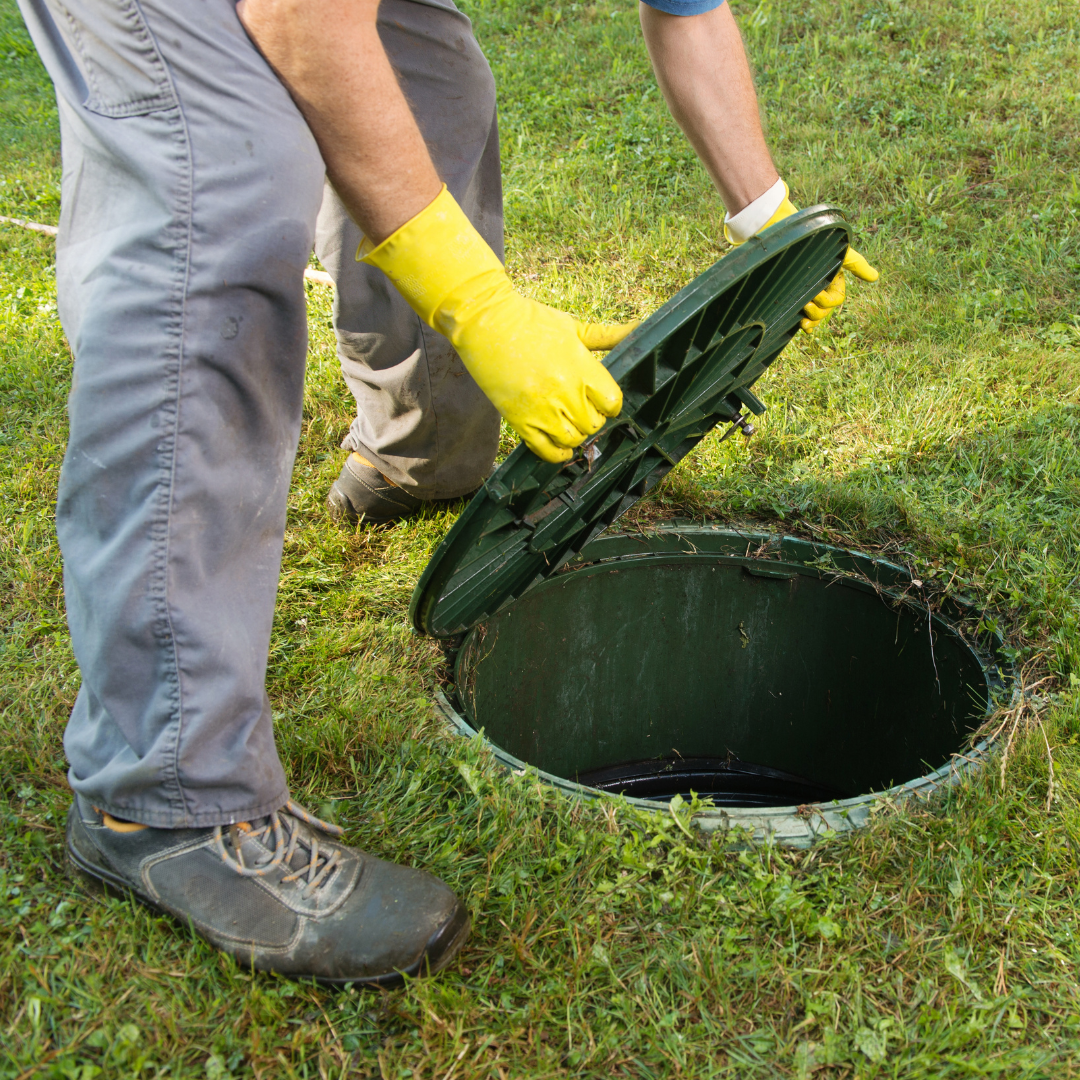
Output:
x=874 y=732
x=789 y=826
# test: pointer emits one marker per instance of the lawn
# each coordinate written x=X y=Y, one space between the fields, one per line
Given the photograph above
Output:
x=937 y=418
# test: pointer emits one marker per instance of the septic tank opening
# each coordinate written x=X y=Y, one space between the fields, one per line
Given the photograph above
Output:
x=747 y=670
x=675 y=662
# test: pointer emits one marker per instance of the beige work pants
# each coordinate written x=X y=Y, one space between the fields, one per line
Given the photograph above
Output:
x=421 y=420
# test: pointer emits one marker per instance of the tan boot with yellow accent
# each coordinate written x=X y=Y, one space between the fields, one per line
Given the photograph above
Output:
x=361 y=492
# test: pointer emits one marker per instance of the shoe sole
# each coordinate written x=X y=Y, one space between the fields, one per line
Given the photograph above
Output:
x=439 y=951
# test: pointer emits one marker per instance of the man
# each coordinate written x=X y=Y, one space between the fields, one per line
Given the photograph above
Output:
x=196 y=139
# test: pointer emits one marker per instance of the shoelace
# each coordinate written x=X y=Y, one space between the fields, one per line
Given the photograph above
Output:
x=282 y=854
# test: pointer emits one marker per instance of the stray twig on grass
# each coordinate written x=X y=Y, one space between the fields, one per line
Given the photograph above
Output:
x=48 y=230
x=41 y=1063
x=319 y=276
x=457 y=1062
x=930 y=632
x=1023 y=715
x=1050 y=763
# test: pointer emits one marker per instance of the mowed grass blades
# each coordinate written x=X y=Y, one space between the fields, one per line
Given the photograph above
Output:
x=936 y=418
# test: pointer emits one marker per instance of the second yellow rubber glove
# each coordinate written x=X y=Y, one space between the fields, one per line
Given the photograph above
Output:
x=531 y=361
x=831 y=298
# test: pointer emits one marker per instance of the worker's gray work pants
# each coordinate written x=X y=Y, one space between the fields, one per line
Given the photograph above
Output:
x=190 y=192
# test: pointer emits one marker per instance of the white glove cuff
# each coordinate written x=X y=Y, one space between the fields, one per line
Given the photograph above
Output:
x=751 y=219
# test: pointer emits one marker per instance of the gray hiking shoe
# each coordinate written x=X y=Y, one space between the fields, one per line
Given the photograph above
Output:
x=361 y=491
x=279 y=894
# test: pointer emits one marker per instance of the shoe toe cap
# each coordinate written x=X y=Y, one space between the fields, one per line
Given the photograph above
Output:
x=397 y=920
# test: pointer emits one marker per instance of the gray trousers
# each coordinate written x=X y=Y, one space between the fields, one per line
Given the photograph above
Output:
x=190 y=193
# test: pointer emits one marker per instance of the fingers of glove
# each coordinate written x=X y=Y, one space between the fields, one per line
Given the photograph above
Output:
x=595 y=417
x=539 y=443
x=815 y=313
x=556 y=432
x=854 y=262
x=531 y=362
x=809 y=325
x=603 y=335
x=834 y=295
x=580 y=412
x=603 y=396
x=553 y=433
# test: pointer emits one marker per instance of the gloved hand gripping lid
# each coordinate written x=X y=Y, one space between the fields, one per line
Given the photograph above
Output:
x=531 y=361
x=750 y=219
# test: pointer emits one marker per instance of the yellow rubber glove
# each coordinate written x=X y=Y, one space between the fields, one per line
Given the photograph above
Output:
x=831 y=298
x=532 y=361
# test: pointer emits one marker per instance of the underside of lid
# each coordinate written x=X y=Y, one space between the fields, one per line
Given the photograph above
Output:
x=686 y=369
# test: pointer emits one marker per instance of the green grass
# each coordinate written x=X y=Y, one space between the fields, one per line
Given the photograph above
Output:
x=937 y=418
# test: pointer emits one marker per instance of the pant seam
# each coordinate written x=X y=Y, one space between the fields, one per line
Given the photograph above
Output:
x=431 y=393
x=161 y=538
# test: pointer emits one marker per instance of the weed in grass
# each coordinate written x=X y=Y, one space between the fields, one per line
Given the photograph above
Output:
x=936 y=418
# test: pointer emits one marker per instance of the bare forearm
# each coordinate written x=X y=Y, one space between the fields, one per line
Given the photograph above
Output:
x=329 y=56
x=703 y=73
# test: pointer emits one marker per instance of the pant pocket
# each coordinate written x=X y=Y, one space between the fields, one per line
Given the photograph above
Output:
x=123 y=70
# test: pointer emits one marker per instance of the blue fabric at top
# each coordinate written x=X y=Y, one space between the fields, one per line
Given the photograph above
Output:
x=684 y=7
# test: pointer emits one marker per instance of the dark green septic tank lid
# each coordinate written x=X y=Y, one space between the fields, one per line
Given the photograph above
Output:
x=683 y=371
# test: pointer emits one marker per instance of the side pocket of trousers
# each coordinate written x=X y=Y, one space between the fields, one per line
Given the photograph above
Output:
x=121 y=67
